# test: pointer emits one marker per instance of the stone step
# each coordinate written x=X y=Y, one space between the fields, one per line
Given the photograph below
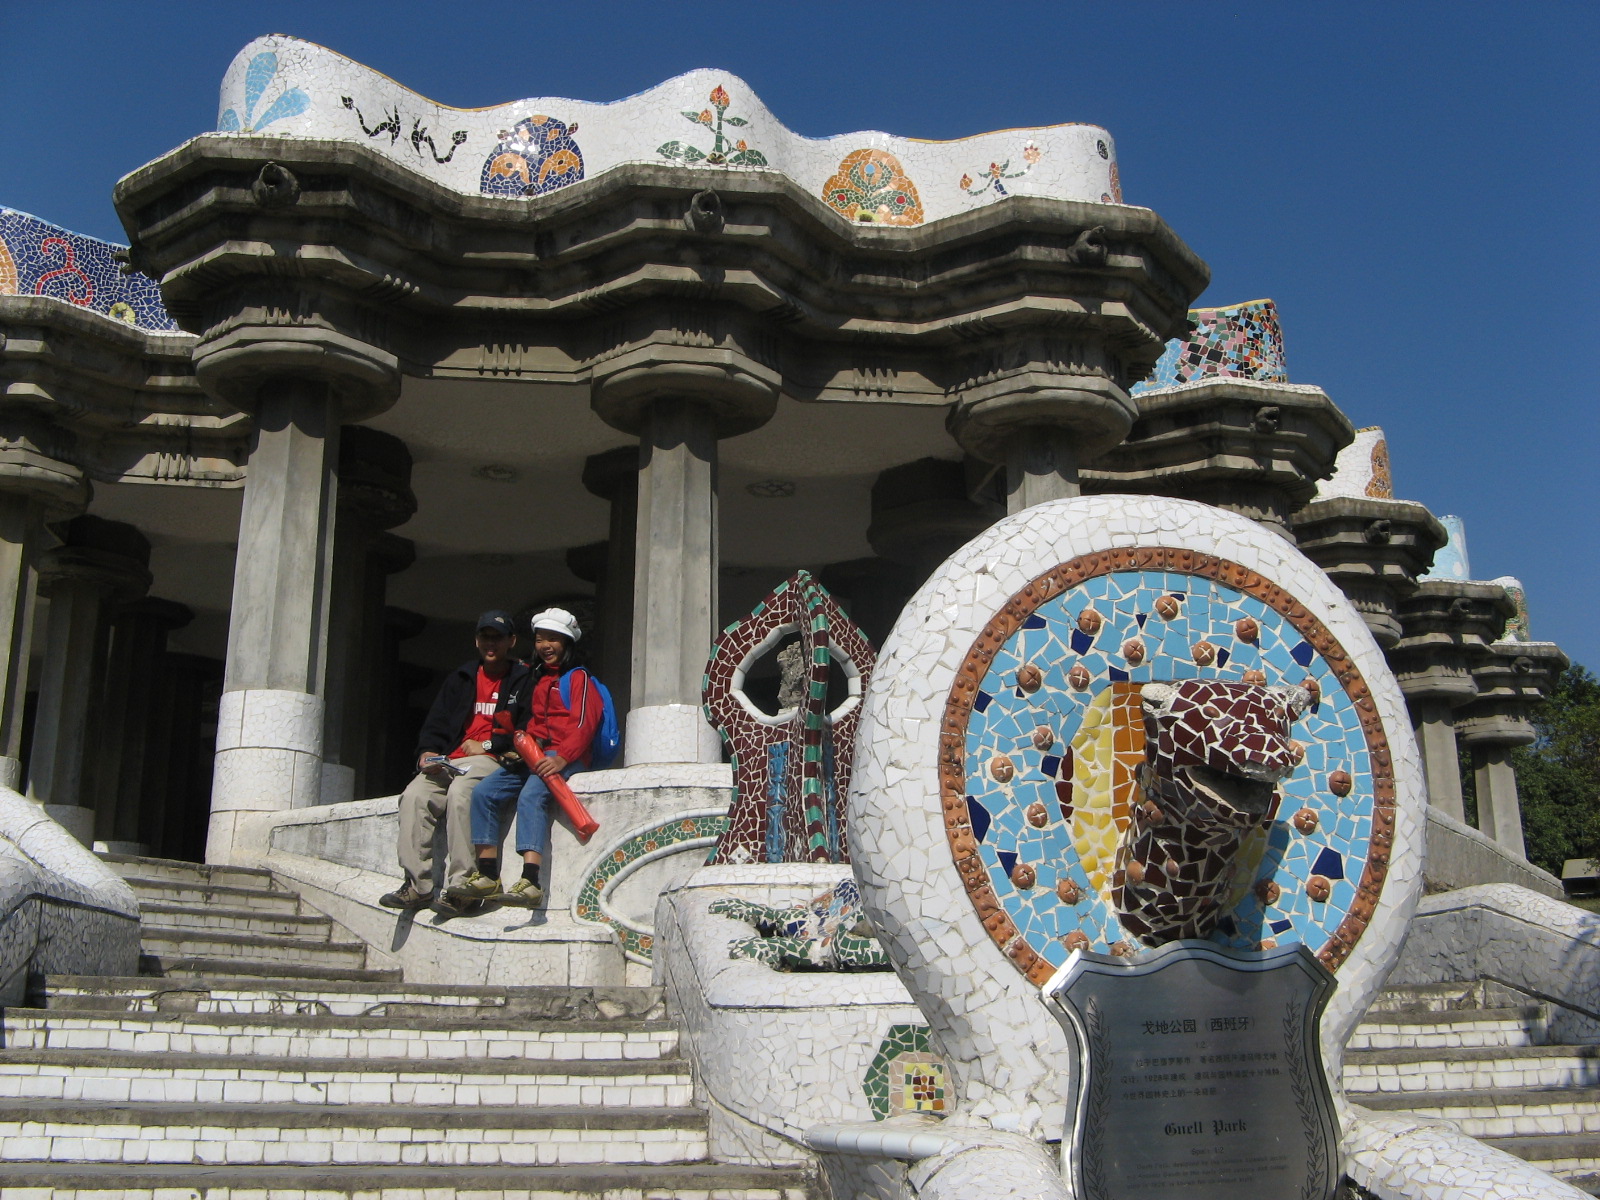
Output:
x=1526 y=1112
x=1481 y=1069
x=1453 y=1029
x=187 y=872
x=218 y=918
x=259 y=948
x=417 y=1039
x=667 y=1181
x=111 y=1076
x=1575 y=1159
x=224 y=991
x=175 y=966
x=173 y=891
x=73 y=1132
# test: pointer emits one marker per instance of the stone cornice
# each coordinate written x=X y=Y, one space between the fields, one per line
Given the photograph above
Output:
x=124 y=399
x=361 y=243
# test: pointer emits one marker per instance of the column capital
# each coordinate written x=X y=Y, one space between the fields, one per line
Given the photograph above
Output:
x=108 y=555
x=39 y=461
x=375 y=477
x=1251 y=446
x=233 y=364
x=1515 y=677
x=606 y=473
x=1374 y=550
x=165 y=615
x=922 y=511
x=1446 y=628
x=393 y=553
x=721 y=366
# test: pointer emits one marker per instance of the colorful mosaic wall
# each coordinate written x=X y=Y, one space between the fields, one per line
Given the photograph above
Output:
x=281 y=86
x=905 y=1076
x=676 y=836
x=1450 y=561
x=1053 y=783
x=1361 y=470
x=41 y=259
x=791 y=770
x=1517 y=624
x=1241 y=341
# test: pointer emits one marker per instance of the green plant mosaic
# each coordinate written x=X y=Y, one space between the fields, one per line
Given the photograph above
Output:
x=637 y=945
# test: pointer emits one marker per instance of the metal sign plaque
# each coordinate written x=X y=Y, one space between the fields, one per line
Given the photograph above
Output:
x=1201 y=1074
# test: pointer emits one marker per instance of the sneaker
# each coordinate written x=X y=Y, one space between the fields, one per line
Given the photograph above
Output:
x=476 y=886
x=448 y=906
x=524 y=893
x=406 y=898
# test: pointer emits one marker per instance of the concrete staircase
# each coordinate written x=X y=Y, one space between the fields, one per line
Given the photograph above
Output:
x=258 y=1054
x=1479 y=1054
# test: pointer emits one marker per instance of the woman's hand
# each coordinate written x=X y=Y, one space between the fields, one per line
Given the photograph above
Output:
x=552 y=763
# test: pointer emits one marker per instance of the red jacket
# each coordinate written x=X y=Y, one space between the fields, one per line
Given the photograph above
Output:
x=557 y=729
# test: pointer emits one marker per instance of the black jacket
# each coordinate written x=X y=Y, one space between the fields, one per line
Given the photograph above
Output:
x=452 y=709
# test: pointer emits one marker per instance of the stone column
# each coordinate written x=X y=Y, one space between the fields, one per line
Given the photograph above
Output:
x=391 y=761
x=36 y=484
x=1515 y=677
x=300 y=378
x=1041 y=408
x=679 y=398
x=1446 y=629
x=374 y=496
x=101 y=563
x=128 y=811
x=872 y=591
x=614 y=476
x=675 y=585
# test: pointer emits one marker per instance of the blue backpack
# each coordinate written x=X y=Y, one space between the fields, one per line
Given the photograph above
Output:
x=608 y=738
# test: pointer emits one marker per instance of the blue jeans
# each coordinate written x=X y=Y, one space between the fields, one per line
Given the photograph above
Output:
x=533 y=803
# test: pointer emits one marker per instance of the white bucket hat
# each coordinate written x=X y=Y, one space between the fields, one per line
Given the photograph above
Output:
x=558 y=620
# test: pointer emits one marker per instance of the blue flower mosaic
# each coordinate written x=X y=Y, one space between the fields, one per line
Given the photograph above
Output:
x=258 y=77
x=1026 y=796
x=41 y=259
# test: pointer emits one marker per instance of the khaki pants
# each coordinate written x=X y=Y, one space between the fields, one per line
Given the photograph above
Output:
x=426 y=799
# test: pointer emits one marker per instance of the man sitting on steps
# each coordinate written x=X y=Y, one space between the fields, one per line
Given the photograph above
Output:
x=458 y=746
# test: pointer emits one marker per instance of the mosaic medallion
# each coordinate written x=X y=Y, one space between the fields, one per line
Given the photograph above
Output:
x=1065 y=825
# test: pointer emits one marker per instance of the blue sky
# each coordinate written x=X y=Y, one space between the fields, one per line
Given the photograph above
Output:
x=1414 y=183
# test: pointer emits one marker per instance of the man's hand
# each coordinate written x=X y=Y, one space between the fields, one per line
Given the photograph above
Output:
x=430 y=764
x=472 y=746
x=552 y=764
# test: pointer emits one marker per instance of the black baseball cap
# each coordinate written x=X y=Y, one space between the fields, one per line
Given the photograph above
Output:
x=498 y=621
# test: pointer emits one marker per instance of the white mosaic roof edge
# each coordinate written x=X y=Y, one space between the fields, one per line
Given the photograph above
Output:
x=285 y=87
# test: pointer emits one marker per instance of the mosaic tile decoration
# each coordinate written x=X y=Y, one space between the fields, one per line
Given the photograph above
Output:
x=1361 y=470
x=41 y=259
x=1451 y=561
x=1042 y=748
x=675 y=836
x=281 y=86
x=872 y=188
x=905 y=1076
x=791 y=770
x=1240 y=341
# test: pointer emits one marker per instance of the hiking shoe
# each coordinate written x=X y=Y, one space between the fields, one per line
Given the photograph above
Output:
x=406 y=898
x=476 y=886
x=524 y=893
